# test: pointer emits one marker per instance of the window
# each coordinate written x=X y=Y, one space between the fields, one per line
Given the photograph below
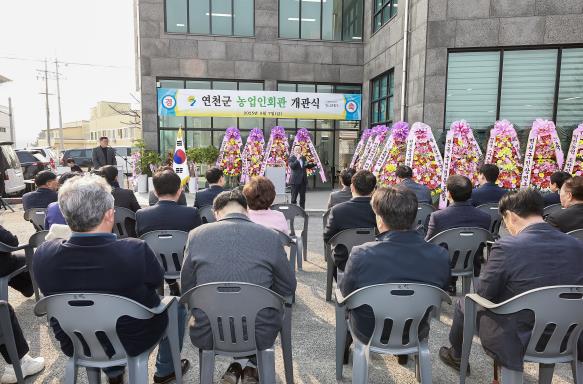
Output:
x=214 y=17
x=339 y=20
x=384 y=10
x=570 y=99
x=202 y=131
x=382 y=101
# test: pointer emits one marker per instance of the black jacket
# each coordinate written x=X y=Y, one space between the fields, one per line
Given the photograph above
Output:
x=41 y=198
x=100 y=159
x=125 y=198
x=538 y=256
x=206 y=196
x=396 y=257
x=551 y=198
x=487 y=193
x=568 y=219
x=355 y=213
x=455 y=216
x=167 y=215
x=101 y=263
x=299 y=169
x=7 y=238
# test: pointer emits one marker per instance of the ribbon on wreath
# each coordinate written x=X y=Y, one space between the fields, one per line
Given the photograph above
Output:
x=229 y=159
x=380 y=133
x=360 y=147
x=502 y=128
x=367 y=149
x=277 y=134
x=462 y=130
x=540 y=128
x=399 y=132
x=254 y=141
x=421 y=133
x=574 y=149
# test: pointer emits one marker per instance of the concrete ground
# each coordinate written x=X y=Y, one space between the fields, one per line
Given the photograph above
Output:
x=313 y=330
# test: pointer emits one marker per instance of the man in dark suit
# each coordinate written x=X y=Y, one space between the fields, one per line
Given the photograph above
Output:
x=345 y=193
x=46 y=191
x=405 y=178
x=489 y=191
x=216 y=181
x=460 y=212
x=93 y=260
x=103 y=154
x=399 y=255
x=235 y=249
x=355 y=213
x=299 y=177
x=10 y=263
x=122 y=197
x=571 y=217
x=557 y=180
x=536 y=255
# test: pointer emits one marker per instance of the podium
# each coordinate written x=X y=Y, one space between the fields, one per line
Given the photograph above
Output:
x=277 y=176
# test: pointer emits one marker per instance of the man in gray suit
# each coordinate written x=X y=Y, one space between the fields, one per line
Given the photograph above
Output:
x=104 y=154
x=345 y=193
x=234 y=249
x=404 y=177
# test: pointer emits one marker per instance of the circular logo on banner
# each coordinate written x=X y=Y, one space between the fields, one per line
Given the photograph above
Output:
x=351 y=107
x=179 y=156
x=169 y=102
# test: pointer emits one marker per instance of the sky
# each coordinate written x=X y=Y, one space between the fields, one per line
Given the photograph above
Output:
x=100 y=33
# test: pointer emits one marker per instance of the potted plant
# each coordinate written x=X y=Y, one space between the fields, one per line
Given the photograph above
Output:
x=195 y=159
x=142 y=159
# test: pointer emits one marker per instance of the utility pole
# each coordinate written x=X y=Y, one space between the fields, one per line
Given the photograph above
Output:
x=11 y=122
x=58 y=75
x=45 y=77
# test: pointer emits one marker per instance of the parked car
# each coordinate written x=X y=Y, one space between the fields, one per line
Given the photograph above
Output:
x=32 y=162
x=50 y=154
x=12 y=179
x=81 y=156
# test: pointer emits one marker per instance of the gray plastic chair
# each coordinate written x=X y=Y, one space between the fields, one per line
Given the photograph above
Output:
x=168 y=246
x=122 y=216
x=423 y=212
x=578 y=234
x=560 y=307
x=349 y=238
x=37 y=217
x=231 y=309
x=492 y=210
x=324 y=223
x=4 y=280
x=463 y=245
x=293 y=250
x=405 y=305
x=33 y=243
x=552 y=209
x=206 y=214
x=7 y=338
x=84 y=316
x=291 y=212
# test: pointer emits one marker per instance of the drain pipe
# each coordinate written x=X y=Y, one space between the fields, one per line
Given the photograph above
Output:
x=405 y=60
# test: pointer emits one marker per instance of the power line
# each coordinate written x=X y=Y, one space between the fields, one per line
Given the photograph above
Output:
x=66 y=62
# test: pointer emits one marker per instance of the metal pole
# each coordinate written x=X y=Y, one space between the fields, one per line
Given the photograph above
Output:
x=11 y=122
x=47 y=103
x=405 y=59
x=61 y=139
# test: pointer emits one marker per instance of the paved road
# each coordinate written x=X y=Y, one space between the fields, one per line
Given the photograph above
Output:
x=313 y=333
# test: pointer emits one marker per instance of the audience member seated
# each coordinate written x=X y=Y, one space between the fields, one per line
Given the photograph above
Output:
x=570 y=218
x=345 y=193
x=489 y=191
x=94 y=260
x=536 y=255
x=45 y=193
x=10 y=263
x=355 y=213
x=460 y=212
x=167 y=214
x=557 y=180
x=54 y=214
x=405 y=177
x=400 y=255
x=124 y=198
x=74 y=167
x=236 y=249
x=260 y=194
x=216 y=181
x=153 y=199
x=30 y=366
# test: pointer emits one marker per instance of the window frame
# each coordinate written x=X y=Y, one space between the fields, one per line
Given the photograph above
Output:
x=342 y=29
x=375 y=13
x=188 y=32
x=390 y=75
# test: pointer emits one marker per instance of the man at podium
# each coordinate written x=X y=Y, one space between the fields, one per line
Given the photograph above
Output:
x=299 y=177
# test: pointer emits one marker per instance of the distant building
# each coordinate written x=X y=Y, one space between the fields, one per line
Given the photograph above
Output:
x=114 y=120
x=5 y=119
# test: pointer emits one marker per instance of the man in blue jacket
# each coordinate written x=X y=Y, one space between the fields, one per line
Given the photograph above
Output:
x=489 y=191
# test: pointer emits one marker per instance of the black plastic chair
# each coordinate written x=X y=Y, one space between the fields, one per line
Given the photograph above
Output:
x=33 y=243
x=495 y=217
x=206 y=214
x=124 y=220
x=7 y=339
x=422 y=219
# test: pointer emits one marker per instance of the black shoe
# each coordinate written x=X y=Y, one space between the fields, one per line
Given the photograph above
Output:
x=115 y=380
x=233 y=374
x=250 y=376
x=446 y=355
x=402 y=359
x=185 y=364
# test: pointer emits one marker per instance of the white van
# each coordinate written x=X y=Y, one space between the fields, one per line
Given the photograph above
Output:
x=11 y=177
